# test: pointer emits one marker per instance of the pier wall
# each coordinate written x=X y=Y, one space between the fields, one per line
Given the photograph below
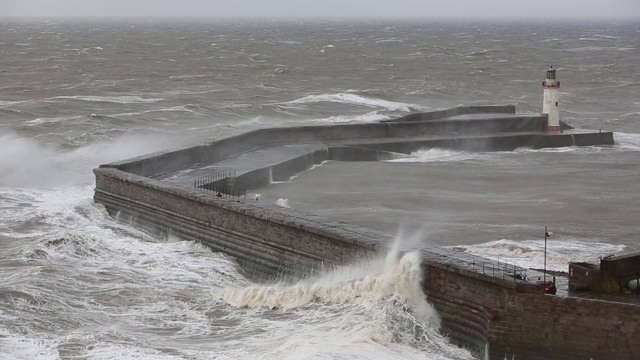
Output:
x=521 y=322
x=268 y=242
x=516 y=319
x=169 y=161
x=467 y=135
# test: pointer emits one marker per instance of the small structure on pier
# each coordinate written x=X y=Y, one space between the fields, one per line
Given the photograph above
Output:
x=615 y=274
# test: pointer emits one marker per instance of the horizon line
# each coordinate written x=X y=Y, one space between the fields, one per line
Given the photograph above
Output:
x=331 y=17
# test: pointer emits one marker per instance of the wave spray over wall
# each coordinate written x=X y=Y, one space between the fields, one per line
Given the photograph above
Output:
x=372 y=310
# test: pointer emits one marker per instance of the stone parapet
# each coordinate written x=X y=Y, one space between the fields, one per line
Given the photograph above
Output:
x=514 y=317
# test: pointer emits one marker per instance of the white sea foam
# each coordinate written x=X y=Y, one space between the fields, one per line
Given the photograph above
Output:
x=91 y=48
x=29 y=163
x=348 y=98
x=9 y=103
x=438 y=154
x=88 y=270
x=369 y=117
x=16 y=347
x=40 y=121
x=302 y=172
x=623 y=142
x=372 y=310
x=627 y=142
x=128 y=351
x=375 y=310
x=112 y=99
x=181 y=108
x=530 y=253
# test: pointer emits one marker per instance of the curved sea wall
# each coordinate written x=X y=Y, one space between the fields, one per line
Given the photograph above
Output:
x=515 y=318
x=268 y=242
x=168 y=161
x=520 y=322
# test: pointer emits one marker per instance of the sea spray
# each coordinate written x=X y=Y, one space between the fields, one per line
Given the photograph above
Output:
x=339 y=286
x=30 y=163
x=351 y=310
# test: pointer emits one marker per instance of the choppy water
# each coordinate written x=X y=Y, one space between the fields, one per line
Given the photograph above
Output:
x=76 y=284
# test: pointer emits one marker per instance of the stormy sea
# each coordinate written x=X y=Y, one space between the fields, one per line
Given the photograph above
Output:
x=76 y=283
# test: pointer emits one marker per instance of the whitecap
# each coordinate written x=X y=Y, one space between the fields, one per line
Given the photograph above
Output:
x=349 y=98
x=372 y=310
x=112 y=99
x=40 y=121
x=369 y=117
x=627 y=141
x=530 y=253
x=19 y=347
x=438 y=154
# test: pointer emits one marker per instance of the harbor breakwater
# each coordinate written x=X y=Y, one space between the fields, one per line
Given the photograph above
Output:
x=515 y=318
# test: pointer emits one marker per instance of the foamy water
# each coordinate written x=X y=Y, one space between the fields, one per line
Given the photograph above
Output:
x=88 y=285
x=530 y=253
x=90 y=288
x=374 y=310
x=438 y=154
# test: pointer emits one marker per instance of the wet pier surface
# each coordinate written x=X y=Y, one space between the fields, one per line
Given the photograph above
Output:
x=259 y=158
x=269 y=156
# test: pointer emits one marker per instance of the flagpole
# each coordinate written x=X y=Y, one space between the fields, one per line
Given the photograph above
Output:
x=546 y=235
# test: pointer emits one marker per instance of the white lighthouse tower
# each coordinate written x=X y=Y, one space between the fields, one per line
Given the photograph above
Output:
x=550 y=107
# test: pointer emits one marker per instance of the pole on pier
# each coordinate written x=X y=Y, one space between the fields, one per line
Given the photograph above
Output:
x=546 y=235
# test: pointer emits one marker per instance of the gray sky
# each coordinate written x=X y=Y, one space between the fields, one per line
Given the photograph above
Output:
x=324 y=8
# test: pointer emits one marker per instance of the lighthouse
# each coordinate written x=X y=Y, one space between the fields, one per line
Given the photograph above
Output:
x=550 y=107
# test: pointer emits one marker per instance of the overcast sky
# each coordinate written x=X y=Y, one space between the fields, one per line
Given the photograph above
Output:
x=324 y=8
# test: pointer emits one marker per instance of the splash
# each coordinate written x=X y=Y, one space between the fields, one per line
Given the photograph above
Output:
x=283 y=203
x=341 y=286
x=628 y=142
x=369 y=117
x=372 y=310
x=28 y=163
x=437 y=154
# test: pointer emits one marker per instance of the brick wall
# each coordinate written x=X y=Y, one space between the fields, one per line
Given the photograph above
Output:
x=276 y=239
x=520 y=321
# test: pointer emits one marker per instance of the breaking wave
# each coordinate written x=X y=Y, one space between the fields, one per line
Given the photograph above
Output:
x=374 y=310
x=369 y=117
x=112 y=99
x=530 y=253
x=27 y=162
x=437 y=154
x=353 y=99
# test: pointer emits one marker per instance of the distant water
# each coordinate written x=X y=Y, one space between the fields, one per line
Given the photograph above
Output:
x=77 y=284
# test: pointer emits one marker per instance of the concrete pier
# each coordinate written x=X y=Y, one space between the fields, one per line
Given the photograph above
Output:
x=480 y=301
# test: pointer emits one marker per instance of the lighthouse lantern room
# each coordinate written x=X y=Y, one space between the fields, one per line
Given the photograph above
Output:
x=550 y=106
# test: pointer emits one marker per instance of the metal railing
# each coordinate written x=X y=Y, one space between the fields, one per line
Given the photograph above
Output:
x=225 y=192
x=221 y=183
x=501 y=270
x=215 y=177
